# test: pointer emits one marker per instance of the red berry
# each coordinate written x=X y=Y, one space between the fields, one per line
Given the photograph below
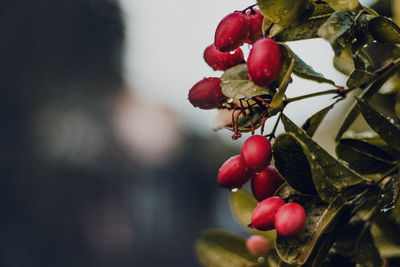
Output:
x=290 y=219
x=265 y=183
x=207 y=94
x=220 y=60
x=233 y=173
x=258 y=245
x=231 y=32
x=264 y=62
x=264 y=214
x=255 y=20
x=257 y=152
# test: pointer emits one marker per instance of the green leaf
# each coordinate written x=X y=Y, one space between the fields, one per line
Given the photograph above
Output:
x=383 y=125
x=286 y=12
x=355 y=241
x=384 y=30
x=312 y=123
x=285 y=191
x=235 y=83
x=385 y=234
x=292 y=164
x=363 y=157
x=343 y=5
x=390 y=193
x=305 y=71
x=297 y=250
x=359 y=77
x=242 y=204
x=397 y=105
x=344 y=62
x=218 y=248
x=336 y=172
x=334 y=27
x=326 y=191
x=367 y=94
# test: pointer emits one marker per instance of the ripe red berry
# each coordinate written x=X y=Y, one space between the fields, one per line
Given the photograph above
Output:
x=258 y=245
x=263 y=216
x=233 y=173
x=220 y=60
x=265 y=62
x=290 y=219
x=265 y=183
x=255 y=20
x=257 y=152
x=207 y=94
x=231 y=32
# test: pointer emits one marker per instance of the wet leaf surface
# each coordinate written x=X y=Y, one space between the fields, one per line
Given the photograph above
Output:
x=363 y=157
x=297 y=250
x=386 y=127
x=390 y=193
x=337 y=173
x=286 y=13
x=235 y=83
x=359 y=77
x=384 y=30
x=292 y=164
x=219 y=248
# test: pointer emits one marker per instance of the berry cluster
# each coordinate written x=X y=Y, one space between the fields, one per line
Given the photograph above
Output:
x=264 y=65
x=264 y=62
x=254 y=164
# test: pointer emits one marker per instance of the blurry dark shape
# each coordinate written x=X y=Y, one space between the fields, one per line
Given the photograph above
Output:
x=71 y=193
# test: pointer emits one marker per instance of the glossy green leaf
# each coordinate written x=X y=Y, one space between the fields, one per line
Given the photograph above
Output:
x=337 y=173
x=343 y=5
x=386 y=127
x=355 y=241
x=359 y=77
x=292 y=164
x=363 y=157
x=390 y=193
x=305 y=71
x=312 y=123
x=303 y=31
x=334 y=27
x=286 y=12
x=242 y=204
x=367 y=94
x=326 y=191
x=344 y=62
x=384 y=30
x=297 y=250
x=219 y=248
x=235 y=83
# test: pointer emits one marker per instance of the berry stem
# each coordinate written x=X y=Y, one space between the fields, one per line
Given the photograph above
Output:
x=338 y=91
x=272 y=134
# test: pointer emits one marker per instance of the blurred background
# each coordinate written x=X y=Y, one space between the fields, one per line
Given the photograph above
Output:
x=104 y=162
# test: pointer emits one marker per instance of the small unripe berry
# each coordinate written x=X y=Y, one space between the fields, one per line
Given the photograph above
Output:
x=257 y=152
x=255 y=20
x=258 y=245
x=207 y=94
x=265 y=62
x=290 y=219
x=265 y=183
x=263 y=216
x=233 y=173
x=220 y=60
x=231 y=32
